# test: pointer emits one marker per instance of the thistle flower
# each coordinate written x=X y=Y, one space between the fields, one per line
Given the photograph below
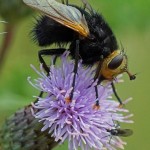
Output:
x=77 y=121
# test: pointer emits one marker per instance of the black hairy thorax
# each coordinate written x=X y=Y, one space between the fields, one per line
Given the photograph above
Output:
x=101 y=41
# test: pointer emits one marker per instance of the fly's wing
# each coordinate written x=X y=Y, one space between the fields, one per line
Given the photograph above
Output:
x=66 y=15
x=124 y=132
x=88 y=6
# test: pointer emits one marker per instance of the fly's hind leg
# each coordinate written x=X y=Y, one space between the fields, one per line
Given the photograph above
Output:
x=48 y=52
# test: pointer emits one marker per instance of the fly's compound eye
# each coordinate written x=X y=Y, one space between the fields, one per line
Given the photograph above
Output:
x=115 y=62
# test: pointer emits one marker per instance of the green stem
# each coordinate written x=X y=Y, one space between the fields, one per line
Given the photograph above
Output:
x=7 y=40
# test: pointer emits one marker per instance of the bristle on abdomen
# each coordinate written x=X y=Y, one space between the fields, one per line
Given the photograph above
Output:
x=47 y=31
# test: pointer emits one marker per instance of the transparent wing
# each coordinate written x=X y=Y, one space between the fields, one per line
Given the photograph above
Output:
x=88 y=6
x=66 y=15
x=125 y=132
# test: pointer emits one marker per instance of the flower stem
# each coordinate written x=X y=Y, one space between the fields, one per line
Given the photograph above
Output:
x=7 y=40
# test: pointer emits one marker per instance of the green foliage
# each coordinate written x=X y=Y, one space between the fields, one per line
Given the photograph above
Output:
x=13 y=10
x=125 y=14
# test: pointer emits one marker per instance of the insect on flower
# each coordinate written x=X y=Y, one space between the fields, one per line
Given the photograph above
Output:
x=115 y=132
x=77 y=122
x=88 y=35
x=120 y=132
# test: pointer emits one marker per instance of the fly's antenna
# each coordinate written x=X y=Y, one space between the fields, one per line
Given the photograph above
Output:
x=131 y=76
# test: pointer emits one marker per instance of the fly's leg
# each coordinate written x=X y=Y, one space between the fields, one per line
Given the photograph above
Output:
x=75 y=70
x=48 y=52
x=116 y=95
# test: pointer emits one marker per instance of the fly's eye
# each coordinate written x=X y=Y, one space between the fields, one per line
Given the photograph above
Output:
x=115 y=62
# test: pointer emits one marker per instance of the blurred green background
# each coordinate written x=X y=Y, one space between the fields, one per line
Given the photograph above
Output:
x=130 y=22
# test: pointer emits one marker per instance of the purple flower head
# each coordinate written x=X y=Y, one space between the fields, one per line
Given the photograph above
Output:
x=77 y=121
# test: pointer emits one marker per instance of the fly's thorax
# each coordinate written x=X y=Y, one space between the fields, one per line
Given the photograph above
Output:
x=114 y=64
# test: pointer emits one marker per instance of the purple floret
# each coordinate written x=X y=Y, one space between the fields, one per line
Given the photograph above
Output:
x=77 y=121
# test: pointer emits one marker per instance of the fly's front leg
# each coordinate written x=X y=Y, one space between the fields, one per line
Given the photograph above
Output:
x=116 y=95
x=97 y=76
x=75 y=70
